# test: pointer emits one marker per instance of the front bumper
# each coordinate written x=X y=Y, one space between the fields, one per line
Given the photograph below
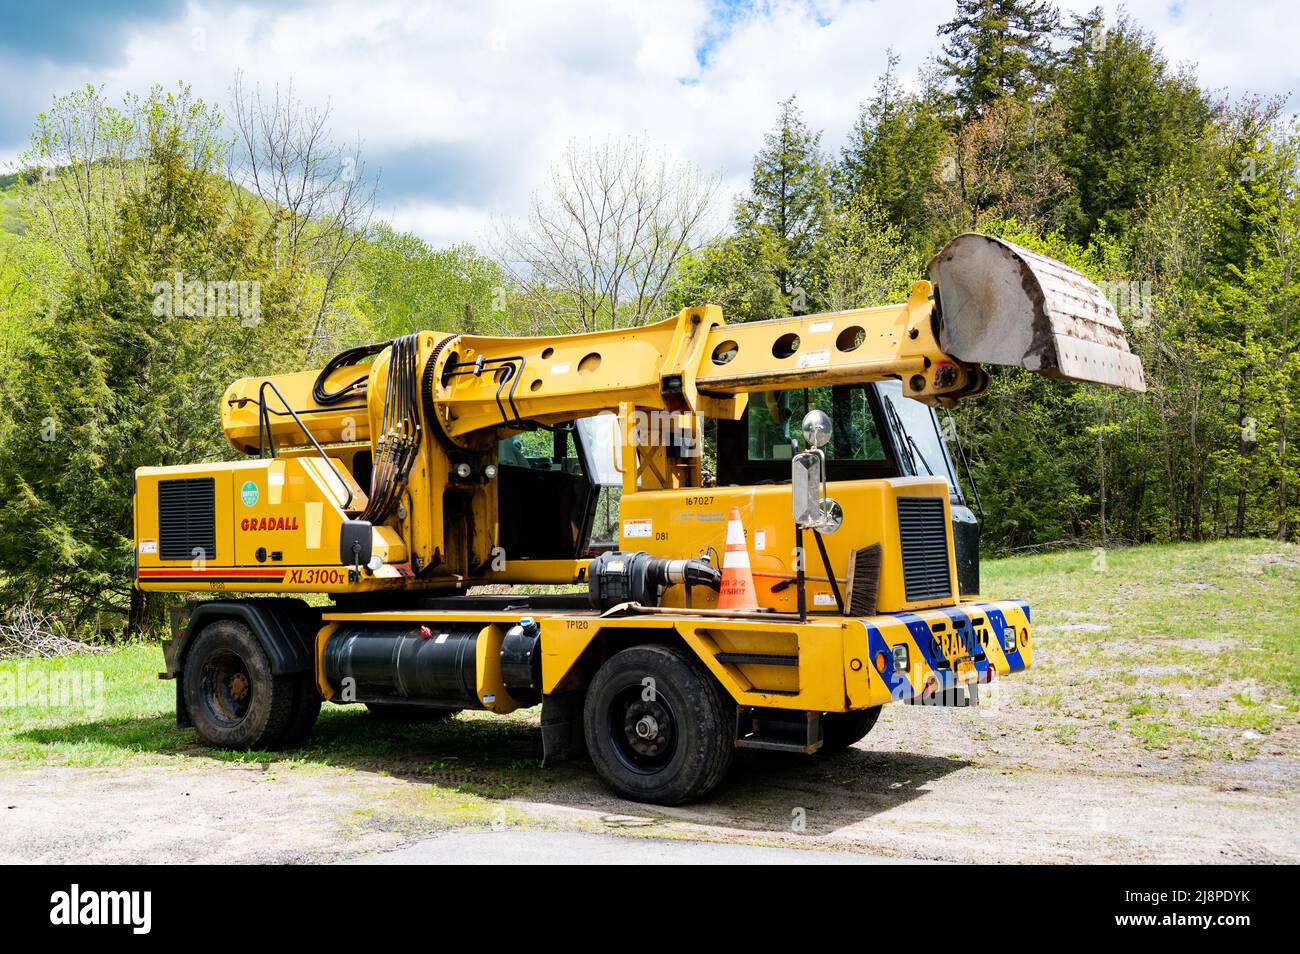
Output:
x=936 y=654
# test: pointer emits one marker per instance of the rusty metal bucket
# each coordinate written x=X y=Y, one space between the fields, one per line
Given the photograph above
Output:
x=1003 y=304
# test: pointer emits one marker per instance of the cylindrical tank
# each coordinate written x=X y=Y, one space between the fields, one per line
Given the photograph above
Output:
x=521 y=662
x=417 y=664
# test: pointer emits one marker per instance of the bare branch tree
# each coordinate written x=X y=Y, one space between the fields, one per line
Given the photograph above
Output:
x=599 y=247
x=315 y=196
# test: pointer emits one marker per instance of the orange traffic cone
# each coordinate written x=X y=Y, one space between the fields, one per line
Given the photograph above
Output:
x=737 y=591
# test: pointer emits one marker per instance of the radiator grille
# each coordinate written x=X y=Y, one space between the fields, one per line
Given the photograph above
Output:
x=923 y=533
x=187 y=519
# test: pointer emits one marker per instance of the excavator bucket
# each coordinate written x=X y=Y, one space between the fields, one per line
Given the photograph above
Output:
x=1003 y=304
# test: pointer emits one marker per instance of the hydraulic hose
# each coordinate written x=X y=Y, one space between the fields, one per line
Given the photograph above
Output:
x=399 y=432
x=342 y=360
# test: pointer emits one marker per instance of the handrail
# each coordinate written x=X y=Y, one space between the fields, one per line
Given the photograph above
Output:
x=264 y=436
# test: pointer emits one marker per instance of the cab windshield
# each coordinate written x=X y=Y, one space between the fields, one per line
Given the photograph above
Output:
x=922 y=449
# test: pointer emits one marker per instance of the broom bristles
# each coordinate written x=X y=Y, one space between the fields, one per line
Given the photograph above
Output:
x=863 y=583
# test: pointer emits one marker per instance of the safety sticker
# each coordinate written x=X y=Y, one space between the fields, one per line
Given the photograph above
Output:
x=814 y=359
x=148 y=546
x=760 y=539
x=638 y=529
x=823 y=599
x=817 y=327
x=559 y=369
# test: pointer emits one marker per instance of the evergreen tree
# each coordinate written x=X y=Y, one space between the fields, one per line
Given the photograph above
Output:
x=789 y=196
x=893 y=153
x=997 y=48
x=1127 y=119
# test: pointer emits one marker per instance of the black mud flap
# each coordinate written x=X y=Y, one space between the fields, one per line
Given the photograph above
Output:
x=562 y=735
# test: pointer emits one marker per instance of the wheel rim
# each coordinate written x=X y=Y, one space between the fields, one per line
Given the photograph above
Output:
x=227 y=688
x=642 y=731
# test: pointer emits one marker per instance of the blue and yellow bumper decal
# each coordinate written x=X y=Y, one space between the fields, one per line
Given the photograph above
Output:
x=948 y=648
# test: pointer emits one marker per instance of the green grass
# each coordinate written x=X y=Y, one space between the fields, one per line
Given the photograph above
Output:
x=1187 y=650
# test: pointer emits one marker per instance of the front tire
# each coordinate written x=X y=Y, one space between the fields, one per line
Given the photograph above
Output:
x=841 y=730
x=233 y=698
x=658 y=726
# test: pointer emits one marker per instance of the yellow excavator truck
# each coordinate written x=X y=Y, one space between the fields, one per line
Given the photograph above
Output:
x=492 y=523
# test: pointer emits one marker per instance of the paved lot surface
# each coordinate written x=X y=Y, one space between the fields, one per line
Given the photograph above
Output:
x=572 y=848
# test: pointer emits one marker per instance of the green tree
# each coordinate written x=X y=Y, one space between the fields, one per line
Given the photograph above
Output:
x=997 y=48
x=1127 y=119
x=863 y=260
x=790 y=196
x=737 y=273
x=400 y=285
x=126 y=375
x=893 y=153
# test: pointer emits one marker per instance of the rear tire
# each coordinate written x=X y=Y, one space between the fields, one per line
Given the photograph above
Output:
x=233 y=698
x=841 y=730
x=408 y=714
x=666 y=742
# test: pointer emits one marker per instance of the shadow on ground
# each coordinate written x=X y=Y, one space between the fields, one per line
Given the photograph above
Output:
x=499 y=758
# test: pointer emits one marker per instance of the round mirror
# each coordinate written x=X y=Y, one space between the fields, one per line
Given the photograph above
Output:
x=816 y=428
x=832 y=516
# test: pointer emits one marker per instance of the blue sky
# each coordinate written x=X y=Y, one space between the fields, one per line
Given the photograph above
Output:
x=461 y=106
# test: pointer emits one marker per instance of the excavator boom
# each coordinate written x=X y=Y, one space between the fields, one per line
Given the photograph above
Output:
x=989 y=302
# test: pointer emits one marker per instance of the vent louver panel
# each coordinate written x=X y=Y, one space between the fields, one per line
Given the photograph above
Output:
x=922 y=531
x=187 y=518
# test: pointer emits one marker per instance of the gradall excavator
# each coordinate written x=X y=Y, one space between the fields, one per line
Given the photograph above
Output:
x=680 y=539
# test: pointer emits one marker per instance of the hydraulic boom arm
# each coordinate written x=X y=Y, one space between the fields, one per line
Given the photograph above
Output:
x=991 y=302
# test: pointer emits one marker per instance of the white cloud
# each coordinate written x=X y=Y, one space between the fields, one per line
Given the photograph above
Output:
x=491 y=92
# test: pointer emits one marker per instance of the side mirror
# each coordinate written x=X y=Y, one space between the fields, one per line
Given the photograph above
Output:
x=811 y=509
x=806 y=488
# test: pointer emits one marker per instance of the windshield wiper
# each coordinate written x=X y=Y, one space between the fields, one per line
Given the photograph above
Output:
x=909 y=445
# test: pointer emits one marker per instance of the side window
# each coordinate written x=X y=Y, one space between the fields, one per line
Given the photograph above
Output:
x=540 y=450
x=775 y=418
x=600 y=444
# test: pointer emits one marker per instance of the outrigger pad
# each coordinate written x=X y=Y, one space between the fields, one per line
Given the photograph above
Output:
x=1003 y=304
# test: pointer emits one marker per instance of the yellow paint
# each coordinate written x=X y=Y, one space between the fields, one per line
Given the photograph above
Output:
x=314 y=517
x=323 y=637
x=692 y=522
x=492 y=692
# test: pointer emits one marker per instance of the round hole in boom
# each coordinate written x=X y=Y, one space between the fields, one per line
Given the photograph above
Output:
x=725 y=352
x=785 y=345
x=589 y=363
x=851 y=338
x=547 y=352
x=536 y=385
x=503 y=374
